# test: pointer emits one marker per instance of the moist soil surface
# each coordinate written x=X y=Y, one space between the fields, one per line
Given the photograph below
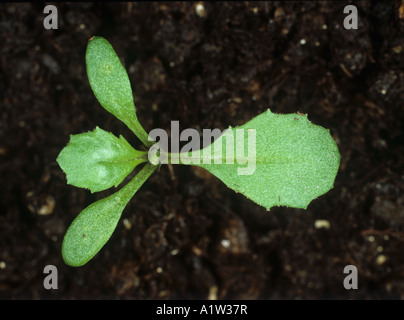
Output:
x=185 y=235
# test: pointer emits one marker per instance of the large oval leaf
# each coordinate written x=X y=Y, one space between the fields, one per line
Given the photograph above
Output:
x=294 y=161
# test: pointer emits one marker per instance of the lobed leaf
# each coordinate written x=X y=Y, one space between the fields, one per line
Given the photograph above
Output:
x=98 y=160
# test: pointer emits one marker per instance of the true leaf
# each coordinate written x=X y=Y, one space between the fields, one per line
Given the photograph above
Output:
x=93 y=227
x=296 y=161
x=111 y=86
x=98 y=160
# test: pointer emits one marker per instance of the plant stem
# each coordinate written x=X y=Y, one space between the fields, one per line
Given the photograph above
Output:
x=200 y=158
x=140 y=132
x=128 y=191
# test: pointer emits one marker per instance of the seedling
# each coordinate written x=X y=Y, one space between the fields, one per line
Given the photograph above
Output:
x=294 y=160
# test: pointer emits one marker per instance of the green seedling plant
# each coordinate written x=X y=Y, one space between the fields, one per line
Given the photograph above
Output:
x=296 y=161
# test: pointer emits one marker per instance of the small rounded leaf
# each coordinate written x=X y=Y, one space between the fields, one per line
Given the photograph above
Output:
x=93 y=227
x=111 y=86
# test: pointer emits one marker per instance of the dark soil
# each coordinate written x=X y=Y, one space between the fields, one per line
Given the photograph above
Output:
x=207 y=69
